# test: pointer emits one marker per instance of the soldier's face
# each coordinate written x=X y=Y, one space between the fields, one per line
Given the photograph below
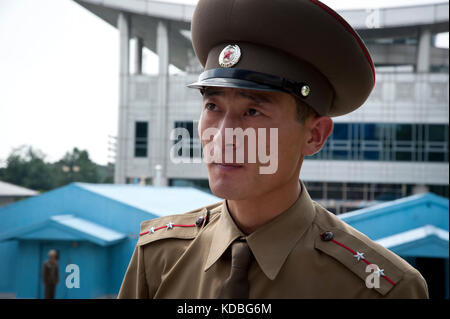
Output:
x=272 y=144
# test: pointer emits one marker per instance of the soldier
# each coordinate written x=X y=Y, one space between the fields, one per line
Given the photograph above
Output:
x=50 y=274
x=289 y=65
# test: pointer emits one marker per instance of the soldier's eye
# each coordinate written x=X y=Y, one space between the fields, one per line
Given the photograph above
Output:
x=210 y=106
x=252 y=112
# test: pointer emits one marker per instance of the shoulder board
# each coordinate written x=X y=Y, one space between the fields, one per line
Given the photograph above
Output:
x=364 y=258
x=181 y=226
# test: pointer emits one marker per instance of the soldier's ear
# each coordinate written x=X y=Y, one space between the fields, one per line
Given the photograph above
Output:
x=318 y=130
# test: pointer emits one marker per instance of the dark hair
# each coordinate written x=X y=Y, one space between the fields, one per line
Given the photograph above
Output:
x=304 y=111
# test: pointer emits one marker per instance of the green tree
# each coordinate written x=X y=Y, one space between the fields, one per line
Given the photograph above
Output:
x=75 y=166
x=26 y=166
x=106 y=173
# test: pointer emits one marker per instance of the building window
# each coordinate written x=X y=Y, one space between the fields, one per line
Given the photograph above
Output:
x=436 y=143
x=345 y=197
x=139 y=180
x=371 y=144
x=340 y=141
x=386 y=142
x=193 y=144
x=404 y=142
x=141 y=139
x=335 y=191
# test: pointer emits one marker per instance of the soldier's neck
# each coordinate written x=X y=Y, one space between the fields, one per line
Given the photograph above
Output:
x=251 y=214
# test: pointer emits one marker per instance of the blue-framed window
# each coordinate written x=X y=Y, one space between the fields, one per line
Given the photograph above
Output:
x=386 y=142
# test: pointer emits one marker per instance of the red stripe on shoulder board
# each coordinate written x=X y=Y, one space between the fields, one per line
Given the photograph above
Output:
x=350 y=29
x=174 y=225
x=363 y=259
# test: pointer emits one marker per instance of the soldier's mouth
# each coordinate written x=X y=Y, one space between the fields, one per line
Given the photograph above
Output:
x=228 y=166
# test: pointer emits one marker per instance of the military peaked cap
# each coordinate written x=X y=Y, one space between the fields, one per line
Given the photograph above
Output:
x=301 y=47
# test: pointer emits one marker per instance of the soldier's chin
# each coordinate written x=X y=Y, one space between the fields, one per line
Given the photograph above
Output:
x=227 y=190
x=228 y=194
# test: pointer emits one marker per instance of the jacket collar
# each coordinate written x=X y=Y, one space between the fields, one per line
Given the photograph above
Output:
x=270 y=244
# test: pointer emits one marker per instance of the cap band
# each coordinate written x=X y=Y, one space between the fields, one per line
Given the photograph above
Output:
x=272 y=81
x=231 y=83
x=252 y=80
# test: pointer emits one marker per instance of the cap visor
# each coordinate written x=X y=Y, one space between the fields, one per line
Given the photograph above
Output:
x=232 y=83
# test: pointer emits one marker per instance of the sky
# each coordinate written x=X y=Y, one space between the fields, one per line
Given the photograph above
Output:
x=59 y=75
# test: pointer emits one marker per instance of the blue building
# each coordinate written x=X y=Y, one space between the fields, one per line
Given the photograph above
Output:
x=94 y=226
x=415 y=228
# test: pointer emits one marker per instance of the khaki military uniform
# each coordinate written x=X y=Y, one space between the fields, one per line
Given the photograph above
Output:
x=306 y=252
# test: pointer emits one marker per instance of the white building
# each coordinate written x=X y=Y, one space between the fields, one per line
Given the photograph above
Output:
x=10 y=193
x=394 y=145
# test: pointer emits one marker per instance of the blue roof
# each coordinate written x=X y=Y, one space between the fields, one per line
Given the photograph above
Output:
x=66 y=227
x=161 y=201
x=416 y=225
x=88 y=228
x=413 y=200
x=425 y=241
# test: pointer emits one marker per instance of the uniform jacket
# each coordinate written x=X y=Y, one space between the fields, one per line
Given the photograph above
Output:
x=305 y=252
x=50 y=273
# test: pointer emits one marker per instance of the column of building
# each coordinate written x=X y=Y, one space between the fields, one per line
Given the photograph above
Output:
x=124 y=139
x=123 y=24
x=161 y=158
